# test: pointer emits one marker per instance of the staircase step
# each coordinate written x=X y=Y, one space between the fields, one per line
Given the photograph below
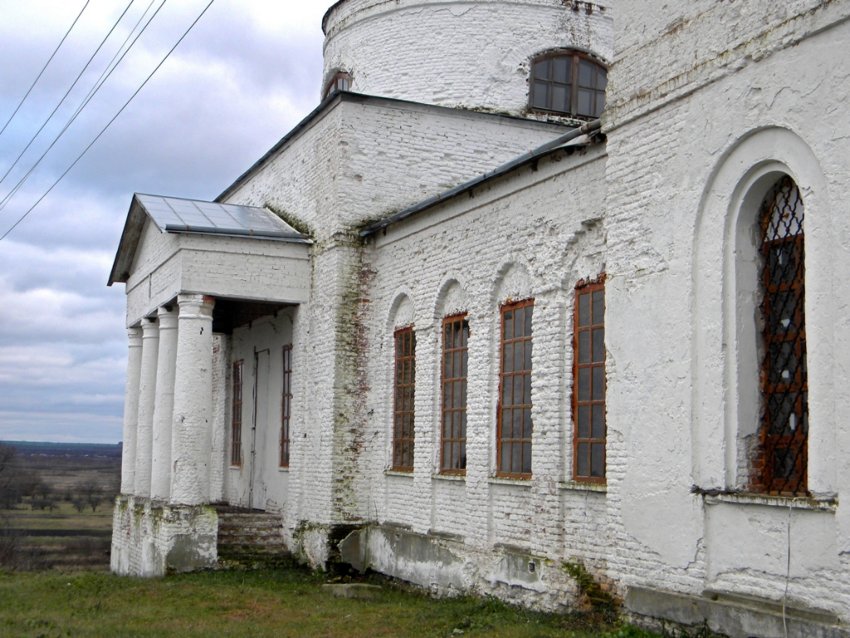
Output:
x=250 y=538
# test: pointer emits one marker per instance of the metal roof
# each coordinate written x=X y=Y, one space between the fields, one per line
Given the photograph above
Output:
x=174 y=214
x=178 y=215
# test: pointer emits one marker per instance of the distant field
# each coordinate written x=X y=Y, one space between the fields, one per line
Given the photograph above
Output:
x=280 y=603
x=50 y=522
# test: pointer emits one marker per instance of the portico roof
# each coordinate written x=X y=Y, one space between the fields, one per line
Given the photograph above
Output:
x=178 y=215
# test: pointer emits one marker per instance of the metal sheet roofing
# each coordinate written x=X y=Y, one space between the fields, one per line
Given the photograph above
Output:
x=173 y=214
x=178 y=215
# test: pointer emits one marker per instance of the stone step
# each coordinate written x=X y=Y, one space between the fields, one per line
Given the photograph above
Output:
x=250 y=539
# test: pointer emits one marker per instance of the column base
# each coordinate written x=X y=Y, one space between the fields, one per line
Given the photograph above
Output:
x=152 y=538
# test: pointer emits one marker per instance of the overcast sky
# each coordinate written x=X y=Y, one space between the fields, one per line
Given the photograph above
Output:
x=246 y=74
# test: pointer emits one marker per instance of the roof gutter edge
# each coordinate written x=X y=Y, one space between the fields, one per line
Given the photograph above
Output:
x=586 y=128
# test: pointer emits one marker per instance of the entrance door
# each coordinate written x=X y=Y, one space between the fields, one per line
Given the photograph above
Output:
x=259 y=430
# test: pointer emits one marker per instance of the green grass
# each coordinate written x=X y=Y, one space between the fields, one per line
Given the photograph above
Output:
x=280 y=603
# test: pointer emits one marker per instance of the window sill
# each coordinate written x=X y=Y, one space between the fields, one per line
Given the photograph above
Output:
x=283 y=470
x=515 y=482
x=829 y=504
x=235 y=467
x=457 y=478
x=582 y=486
x=398 y=473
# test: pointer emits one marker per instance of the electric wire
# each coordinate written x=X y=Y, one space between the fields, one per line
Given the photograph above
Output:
x=108 y=124
x=44 y=68
x=68 y=92
x=109 y=67
x=71 y=120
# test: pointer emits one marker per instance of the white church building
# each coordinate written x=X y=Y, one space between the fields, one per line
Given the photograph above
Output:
x=540 y=288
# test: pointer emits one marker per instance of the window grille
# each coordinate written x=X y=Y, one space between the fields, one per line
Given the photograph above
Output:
x=454 y=372
x=589 y=381
x=568 y=82
x=236 y=416
x=403 y=411
x=784 y=424
x=286 y=406
x=514 y=426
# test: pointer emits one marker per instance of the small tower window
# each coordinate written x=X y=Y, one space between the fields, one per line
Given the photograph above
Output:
x=341 y=81
x=568 y=82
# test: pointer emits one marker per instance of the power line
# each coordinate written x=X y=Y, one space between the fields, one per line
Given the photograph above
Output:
x=80 y=108
x=108 y=124
x=109 y=67
x=64 y=97
x=44 y=68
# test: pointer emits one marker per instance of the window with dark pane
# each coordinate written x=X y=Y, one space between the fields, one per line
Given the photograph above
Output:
x=236 y=415
x=286 y=406
x=453 y=412
x=404 y=385
x=782 y=459
x=514 y=427
x=589 y=425
x=568 y=82
x=341 y=81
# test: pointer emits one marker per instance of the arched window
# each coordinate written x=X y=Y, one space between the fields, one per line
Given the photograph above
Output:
x=784 y=425
x=568 y=82
x=340 y=81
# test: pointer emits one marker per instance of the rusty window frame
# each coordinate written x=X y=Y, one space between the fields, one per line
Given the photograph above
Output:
x=513 y=412
x=404 y=389
x=588 y=395
x=551 y=92
x=285 y=405
x=340 y=81
x=454 y=370
x=236 y=414
x=781 y=461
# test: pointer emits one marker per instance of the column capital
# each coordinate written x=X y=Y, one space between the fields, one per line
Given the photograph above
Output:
x=134 y=337
x=150 y=328
x=167 y=316
x=192 y=305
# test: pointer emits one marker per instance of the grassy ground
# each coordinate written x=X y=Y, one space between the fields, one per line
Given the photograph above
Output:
x=59 y=539
x=264 y=603
x=63 y=517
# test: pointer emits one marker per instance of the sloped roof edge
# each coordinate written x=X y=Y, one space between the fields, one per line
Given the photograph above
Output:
x=362 y=98
x=568 y=139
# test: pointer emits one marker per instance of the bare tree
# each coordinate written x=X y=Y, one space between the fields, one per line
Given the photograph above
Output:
x=91 y=493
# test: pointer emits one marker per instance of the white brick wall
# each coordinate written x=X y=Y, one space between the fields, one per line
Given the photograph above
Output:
x=482 y=243
x=734 y=89
x=388 y=47
x=336 y=172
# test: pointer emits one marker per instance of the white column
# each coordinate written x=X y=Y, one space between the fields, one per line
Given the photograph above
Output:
x=164 y=404
x=147 y=394
x=192 y=401
x=131 y=410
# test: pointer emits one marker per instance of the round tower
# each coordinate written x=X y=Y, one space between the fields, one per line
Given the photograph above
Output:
x=517 y=56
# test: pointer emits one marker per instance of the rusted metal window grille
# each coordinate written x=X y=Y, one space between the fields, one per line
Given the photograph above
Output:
x=589 y=434
x=568 y=83
x=286 y=406
x=513 y=429
x=454 y=371
x=405 y=381
x=784 y=425
x=236 y=417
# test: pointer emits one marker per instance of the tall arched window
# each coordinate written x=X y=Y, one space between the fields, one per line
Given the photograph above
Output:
x=783 y=432
x=568 y=82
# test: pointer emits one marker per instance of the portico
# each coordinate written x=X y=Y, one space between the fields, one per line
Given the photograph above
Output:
x=193 y=271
